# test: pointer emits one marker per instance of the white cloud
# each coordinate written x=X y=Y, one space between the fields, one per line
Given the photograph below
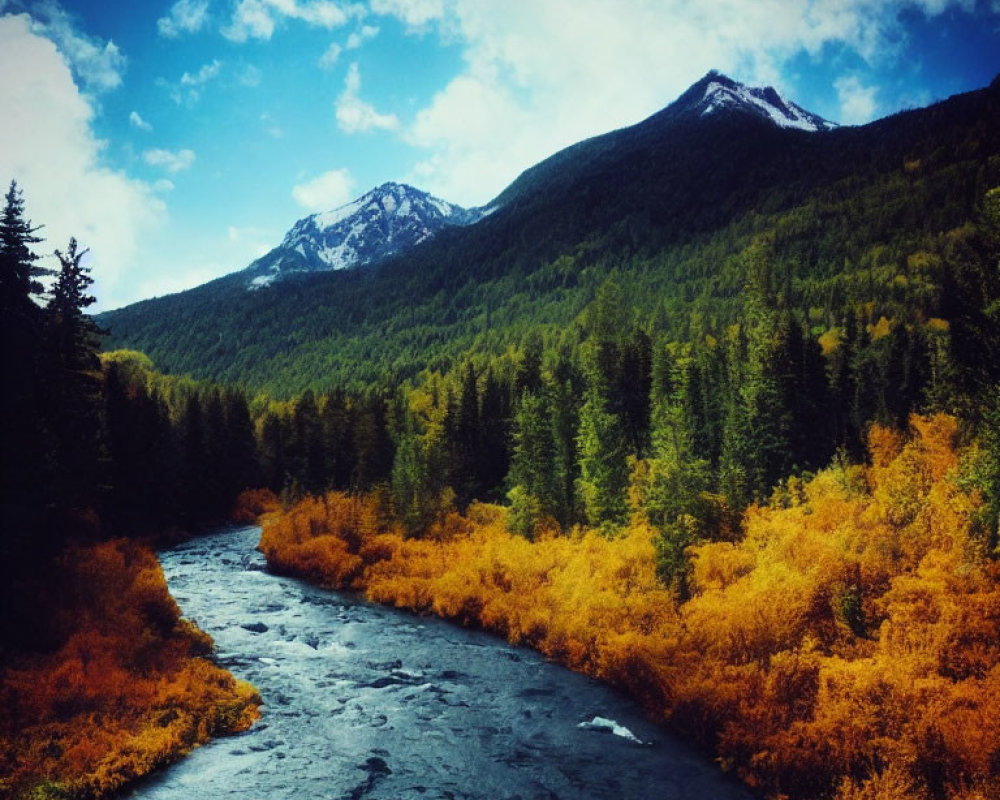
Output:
x=354 y=115
x=186 y=16
x=539 y=75
x=188 y=89
x=360 y=36
x=251 y=20
x=257 y=19
x=257 y=240
x=320 y=13
x=857 y=102
x=138 y=122
x=163 y=185
x=172 y=162
x=329 y=190
x=203 y=75
x=99 y=65
x=176 y=279
x=47 y=144
x=332 y=53
x=415 y=13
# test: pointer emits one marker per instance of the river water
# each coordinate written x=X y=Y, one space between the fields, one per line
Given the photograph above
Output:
x=362 y=701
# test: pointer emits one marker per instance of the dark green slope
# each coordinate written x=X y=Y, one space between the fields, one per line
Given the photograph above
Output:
x=666 y=206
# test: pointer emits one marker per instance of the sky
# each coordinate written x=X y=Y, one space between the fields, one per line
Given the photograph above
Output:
x=180 y=139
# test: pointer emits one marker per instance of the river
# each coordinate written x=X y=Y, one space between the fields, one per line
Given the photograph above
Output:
x=362 y=701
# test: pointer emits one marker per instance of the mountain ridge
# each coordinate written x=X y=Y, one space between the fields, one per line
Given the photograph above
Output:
x=394 y=217
x=688 y=108
x=387 y=219
x=667 y=205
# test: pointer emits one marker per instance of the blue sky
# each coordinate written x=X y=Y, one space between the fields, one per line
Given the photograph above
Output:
x=180 y=140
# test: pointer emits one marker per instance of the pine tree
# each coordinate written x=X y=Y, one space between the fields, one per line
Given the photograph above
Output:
x=26 y=461
x=676 y=503
x=758 y=422
x=532 y=466
x=632 y=392
x=18 y=271
x=373 y=446
x=529 y=371
x=22 y=464
x=608 y=322
x=194 y=501
x=308 y=445
x=240 y=466
x=338 y=445
x=603 y=467
x=72 y=382
x=273 y=453
x=466 y=441
x=493 y=415
x=564 y=404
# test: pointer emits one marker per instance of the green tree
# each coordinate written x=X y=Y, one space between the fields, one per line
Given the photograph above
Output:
x=603 y=467
x=466 y=441
x=19 y=272
x=756 y=446
x=676 y=501
x=24 y=475
x=73 y=390
x=493 y=463
x=532 y=467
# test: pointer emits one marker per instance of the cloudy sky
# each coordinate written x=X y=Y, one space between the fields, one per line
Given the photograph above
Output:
x=180 y=140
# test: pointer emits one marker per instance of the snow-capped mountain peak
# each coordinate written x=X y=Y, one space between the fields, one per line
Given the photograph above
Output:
x=716 y=92
x=382 y=222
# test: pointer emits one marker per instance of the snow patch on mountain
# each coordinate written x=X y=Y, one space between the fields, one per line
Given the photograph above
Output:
x=721 y=92
x=386 y=221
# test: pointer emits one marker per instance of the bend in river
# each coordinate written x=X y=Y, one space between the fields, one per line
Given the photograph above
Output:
x=363 y=701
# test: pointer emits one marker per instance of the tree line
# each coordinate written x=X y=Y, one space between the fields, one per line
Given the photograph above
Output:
x=575 y=425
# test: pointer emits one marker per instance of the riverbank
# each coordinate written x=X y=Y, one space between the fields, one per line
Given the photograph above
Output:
x=847 y=646
x=370 y=702
x=129 y=690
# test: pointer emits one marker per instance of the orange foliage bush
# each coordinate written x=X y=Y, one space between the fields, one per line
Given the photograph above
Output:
x=252 y=504
x=847 y=646
x=127 y=692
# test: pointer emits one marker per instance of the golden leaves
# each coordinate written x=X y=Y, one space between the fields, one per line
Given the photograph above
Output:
x=847 y=646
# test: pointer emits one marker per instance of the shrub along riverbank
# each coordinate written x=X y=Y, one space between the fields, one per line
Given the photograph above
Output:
x=847 y=645
x=129 y=690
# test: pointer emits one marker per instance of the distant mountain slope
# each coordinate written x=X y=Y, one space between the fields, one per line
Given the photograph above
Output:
x=714 y=95
x=389 y=219
x=666 y=205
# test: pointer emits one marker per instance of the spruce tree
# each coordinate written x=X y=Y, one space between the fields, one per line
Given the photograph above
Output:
x=532 y=468
x=19 y=326
x=493 y=415
x=73 y=382
x=19 y=272
x=25 y=458
x=603 y=466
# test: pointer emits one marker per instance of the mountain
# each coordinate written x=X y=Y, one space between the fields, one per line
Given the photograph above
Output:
x=713 y=97
x=387 y=220
x=716 y=92
x=666 y=208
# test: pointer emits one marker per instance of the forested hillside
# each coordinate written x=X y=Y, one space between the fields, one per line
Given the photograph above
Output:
x=854 y=218
x=101 y=681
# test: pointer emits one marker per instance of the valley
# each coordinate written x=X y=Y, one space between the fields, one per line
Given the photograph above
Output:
x=705 y=409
